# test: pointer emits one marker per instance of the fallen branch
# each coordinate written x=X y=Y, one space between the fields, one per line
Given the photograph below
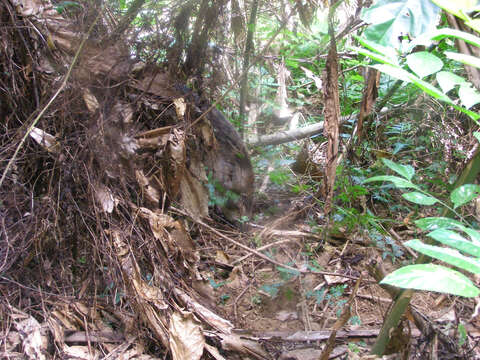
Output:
x=262 y=248
x=307 y=336
x=286 y=136
x=297 y=134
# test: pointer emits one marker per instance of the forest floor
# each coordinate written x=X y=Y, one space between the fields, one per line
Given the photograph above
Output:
x=281 y=306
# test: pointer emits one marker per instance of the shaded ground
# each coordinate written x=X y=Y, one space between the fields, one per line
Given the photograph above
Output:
x=277 y=304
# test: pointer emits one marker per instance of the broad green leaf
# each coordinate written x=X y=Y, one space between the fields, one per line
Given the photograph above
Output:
x=406 y=171
x=448 y=80
x=474 y=234
x=464 y=194
x=398 y=73
x=387 y=52
x=399 y=147
x=468 y=95
x=432 y=223
x=464 y=59
x=424 y=63
x=450 y=256
x=474 y=24
x=391 y=19
x=292 y=63
x=477 y=135
x=373 y=55
x=440 y=34
x=457 y=7
x=395 y=72
x=432 y=277
x=397 y=181
x=419 y=198
x=455 y=240
x=473 y=115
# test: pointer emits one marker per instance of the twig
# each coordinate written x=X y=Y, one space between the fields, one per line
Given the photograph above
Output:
x=261 y=248
x=370 y=297
x=318 y=335
x=259 y=254
x=41 y=292
x=399 y=240
x=238 y=298
x=7 y=247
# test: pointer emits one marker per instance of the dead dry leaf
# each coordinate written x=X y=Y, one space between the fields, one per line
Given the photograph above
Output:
x=233 y=342
x=81 y=352
x=194 y=196
x=105 y=198
x=180 y=108
x=11 y=341
x=317 y=80
x=90 y=100
x=214 y=352
x=186 y=337
x=45 y=140
x=151 y=193
x=237 y=279
x=34 y=342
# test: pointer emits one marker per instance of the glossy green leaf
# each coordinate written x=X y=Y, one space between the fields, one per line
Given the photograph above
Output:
x=387 y=52
x=477 y=135
x=448 y=80
x=456 y=7
x=391 y=19
x=448 y=255
x=432 y=277
x=373 y=55
x=464 y=194
x=474 y=234
x=442 y=33
x=397 y=181
x=474 y=24
x=424 y=63
x=432 y=223
x=473 y=115
x=419 y=198
x=398 y=73
x=464 y=59
x=399 y=146
x=406 y=171
x=455 y=240
x=395 y=72
x=468 y=95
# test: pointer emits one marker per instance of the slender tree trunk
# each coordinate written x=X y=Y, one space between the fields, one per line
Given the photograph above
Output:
x=246 y=64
